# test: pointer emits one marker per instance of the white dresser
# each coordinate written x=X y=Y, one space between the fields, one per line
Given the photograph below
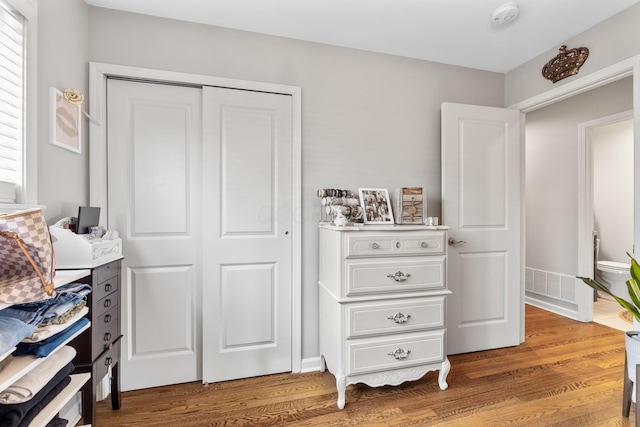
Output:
x=382 y=304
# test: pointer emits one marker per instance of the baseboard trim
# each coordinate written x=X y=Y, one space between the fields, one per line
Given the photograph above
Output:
x=310 y=364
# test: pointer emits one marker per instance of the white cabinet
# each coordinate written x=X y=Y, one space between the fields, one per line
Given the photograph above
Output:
x=382 y=304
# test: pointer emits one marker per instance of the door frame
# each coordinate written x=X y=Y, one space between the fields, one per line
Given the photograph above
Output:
x=609 y=74
x=98 y=75
x=585 y=198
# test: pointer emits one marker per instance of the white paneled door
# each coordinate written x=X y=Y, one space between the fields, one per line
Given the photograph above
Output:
x=155 y=203
x=200 y=196
x=247 y=280
x=481 y=191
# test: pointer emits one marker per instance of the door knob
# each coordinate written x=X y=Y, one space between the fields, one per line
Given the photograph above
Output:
x=453 y=241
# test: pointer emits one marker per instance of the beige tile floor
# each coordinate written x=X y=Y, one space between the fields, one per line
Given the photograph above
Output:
x=607 y=312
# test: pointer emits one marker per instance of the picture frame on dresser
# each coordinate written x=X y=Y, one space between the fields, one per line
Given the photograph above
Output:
x=376 y=205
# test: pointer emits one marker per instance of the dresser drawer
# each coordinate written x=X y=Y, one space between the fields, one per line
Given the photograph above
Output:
x=107 y=271
x=395 y=316
x=104 y=304
x=104 y=288
x=108 y=358
x=394 y=244
x=388 y=275
x=105 y=330
x=398 y=351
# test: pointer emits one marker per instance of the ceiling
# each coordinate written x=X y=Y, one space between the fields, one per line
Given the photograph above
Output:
x=458 y=32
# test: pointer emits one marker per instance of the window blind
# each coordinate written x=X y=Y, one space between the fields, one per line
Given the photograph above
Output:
x=12 y=75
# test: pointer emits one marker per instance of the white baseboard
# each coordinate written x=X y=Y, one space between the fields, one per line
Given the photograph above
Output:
x=550 y=305
x=310 y=364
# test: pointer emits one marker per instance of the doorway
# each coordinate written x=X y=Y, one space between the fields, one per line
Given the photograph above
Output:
x=609 y=144
x=559 y=228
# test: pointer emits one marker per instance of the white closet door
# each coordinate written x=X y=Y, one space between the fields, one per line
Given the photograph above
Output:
x=155 y=203
x=247 y=286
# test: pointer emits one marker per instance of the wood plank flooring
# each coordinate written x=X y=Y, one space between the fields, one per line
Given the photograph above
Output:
x=566 y=373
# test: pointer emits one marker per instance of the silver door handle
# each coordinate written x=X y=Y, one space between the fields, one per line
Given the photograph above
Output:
x=453 y=241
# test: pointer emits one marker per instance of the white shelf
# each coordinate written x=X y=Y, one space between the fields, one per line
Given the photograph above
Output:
x=58 y=402
x=20 y=365
x=62 y=277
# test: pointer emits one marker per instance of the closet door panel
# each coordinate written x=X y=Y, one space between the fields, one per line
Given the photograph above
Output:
x=154 y=167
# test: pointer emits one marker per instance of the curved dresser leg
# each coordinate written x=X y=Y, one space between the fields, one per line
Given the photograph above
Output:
x=444 y=371
x=341 y=384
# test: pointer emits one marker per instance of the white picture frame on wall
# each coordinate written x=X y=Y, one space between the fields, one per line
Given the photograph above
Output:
x=65 y=122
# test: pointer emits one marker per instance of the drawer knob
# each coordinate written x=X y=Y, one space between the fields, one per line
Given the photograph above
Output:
x=399 y=317
x=107 y=287
x=107 y=336
x=424 y=245
x=399 y=276
x=399 y=353
x=107 y=318
x=107 y=303
x=374 y=245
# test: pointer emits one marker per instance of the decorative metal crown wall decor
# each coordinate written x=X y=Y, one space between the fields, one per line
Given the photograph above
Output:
x=566 y=63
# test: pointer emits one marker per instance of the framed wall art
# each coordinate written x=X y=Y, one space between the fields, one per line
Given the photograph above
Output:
x=376 y=205
x=65 y=122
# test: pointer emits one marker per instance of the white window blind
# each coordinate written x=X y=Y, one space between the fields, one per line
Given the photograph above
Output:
x=12 y=76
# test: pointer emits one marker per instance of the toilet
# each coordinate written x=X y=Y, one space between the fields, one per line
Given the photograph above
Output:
x=614 y=275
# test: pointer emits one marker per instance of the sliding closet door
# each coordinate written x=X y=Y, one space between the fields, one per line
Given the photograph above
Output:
x=155 y=203
x=247 y=286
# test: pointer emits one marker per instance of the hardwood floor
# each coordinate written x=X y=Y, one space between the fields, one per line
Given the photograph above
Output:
x=566 y=373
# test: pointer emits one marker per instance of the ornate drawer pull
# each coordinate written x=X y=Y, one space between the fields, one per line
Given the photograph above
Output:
x=107 y=318
x=374 y=245
x=399 y=276
x=399 y=317
x=399 y=353
x=107 y=287
x=107 y=303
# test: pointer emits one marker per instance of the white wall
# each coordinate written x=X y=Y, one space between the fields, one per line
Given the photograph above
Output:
x=63 y=48
x=369 y=120
x=552 y=174
x=613 y=189
x=609 y=42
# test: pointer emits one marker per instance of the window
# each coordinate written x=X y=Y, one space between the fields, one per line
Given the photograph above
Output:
x=17 y=141
x=11 y=95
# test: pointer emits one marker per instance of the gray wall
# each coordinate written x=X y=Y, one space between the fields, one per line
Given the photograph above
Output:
x=609 y=42
x=613 y=189
x=552 y=174
x=63 y=47
x=368 y=120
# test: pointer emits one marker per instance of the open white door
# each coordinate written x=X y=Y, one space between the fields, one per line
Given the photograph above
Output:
x=481 y=203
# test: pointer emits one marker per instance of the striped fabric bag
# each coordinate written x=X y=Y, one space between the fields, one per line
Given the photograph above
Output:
x=27 y=263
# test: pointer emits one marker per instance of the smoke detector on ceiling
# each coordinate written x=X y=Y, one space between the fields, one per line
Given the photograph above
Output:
x=505 y=14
